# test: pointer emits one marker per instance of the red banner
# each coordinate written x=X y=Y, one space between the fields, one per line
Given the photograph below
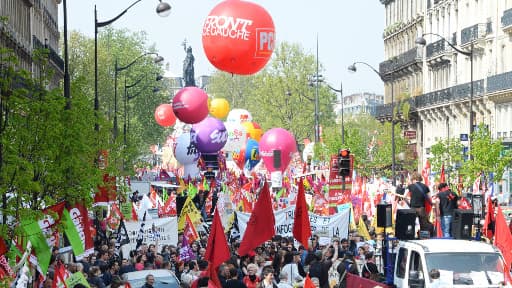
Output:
x=107 y=193
x=338 y=196
x=360 y=282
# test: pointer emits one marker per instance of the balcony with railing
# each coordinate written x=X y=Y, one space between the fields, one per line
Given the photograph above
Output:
x=506 y=20
x=404 y=60
x=53 y=56
x=499 y=82
x=436 y=48
x=384 y=111
x=472 y=33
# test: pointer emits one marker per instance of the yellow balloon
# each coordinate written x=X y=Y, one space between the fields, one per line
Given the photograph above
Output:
x=219 y=108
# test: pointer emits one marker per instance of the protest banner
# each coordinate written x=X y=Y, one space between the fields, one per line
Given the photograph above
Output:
x=323 y=226
x=163 y=230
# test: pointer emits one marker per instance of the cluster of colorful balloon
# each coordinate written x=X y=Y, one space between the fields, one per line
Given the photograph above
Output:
x=238 y=37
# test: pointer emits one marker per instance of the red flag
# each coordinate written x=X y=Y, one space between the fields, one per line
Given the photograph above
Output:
x=487 y=230
x=301 y=225
x=169 y=208
x=60 y=276
x=217 y=249
x=503 y=240
x=442 y=178
x=189 y=231
x=107 y=193
x=308 y=283
x=464 y=204
x=260 y=227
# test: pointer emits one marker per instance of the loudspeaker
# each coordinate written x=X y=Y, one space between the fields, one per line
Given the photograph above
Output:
x=277 y=158
x=405 y=224
x=384 y=213
x=462 y=224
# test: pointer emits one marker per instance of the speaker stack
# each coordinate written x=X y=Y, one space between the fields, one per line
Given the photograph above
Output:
x=384 y=213
x=405 y=224
x=462 y=224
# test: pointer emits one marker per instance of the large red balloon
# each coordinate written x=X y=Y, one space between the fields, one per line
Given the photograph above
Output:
x=190 y=105
x=238 y=37
x=164 y=115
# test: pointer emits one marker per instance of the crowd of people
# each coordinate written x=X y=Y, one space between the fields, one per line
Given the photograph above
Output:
x=277 y=262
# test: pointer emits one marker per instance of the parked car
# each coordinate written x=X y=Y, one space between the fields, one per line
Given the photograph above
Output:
x=163 y=278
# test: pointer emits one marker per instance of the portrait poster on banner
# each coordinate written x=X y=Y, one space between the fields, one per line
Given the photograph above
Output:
x=161 y=230
x=323 y=226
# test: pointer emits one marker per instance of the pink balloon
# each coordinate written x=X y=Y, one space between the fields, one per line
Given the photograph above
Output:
x=190 y=105
x=164 y=115
x=277 y=139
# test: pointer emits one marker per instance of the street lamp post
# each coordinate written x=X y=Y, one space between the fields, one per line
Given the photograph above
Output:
x=67 y=92
x=393 y=152
x=421 y=41
x=118 y=69
x=163 y=9
x=342 y=110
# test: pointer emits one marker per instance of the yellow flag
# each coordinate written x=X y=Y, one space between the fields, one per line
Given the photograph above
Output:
x=362 y=230
x=189 y=209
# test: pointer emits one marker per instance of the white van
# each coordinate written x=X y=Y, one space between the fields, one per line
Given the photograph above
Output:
x=455 y=263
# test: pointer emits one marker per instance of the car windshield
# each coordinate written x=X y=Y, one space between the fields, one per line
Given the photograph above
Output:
x=160 y=282
x=467 y=268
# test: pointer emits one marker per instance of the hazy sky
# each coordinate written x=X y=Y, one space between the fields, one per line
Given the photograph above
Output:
x=347 y=31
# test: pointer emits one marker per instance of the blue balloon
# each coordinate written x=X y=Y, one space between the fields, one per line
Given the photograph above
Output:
x=252 y=153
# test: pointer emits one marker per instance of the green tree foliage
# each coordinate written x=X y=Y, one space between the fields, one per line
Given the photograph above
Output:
x=46 y=152
x=487 y=156
x=141 y=128
x=447 y=152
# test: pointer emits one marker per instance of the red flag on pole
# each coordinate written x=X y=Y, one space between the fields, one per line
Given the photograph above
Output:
x=217 y=249
x=260 y=227
x=301 y=225
x=442 y=178
x=503 y=240
x=487 y=230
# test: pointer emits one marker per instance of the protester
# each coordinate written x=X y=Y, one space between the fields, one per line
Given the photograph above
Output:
x=448 y=202
x=420 y=195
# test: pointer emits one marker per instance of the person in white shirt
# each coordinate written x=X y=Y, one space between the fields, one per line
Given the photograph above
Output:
x=290 y=267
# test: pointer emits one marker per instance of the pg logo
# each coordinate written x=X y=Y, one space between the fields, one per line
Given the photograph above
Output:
x=265 y=39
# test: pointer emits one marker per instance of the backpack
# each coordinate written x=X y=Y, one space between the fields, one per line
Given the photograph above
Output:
x=334 y=274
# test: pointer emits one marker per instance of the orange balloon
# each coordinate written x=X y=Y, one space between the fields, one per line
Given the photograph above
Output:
x=219 y=108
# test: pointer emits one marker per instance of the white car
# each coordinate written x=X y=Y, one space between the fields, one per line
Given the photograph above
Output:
x=163 y=278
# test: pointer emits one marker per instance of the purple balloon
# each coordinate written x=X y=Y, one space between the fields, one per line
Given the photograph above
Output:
x=209 y=135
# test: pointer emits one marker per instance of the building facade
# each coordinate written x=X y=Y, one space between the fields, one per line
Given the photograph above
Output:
x=26 y=25
x=435 y=79
x=358 y=103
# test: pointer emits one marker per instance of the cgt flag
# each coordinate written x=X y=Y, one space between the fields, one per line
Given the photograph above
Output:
x=260 y=226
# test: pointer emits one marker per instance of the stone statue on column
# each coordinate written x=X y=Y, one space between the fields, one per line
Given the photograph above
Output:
x=188 y=67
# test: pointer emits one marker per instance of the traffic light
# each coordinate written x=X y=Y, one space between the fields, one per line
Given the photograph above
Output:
x=344 y=163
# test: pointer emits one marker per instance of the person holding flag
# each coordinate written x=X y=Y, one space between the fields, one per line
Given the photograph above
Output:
x=420 y=201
